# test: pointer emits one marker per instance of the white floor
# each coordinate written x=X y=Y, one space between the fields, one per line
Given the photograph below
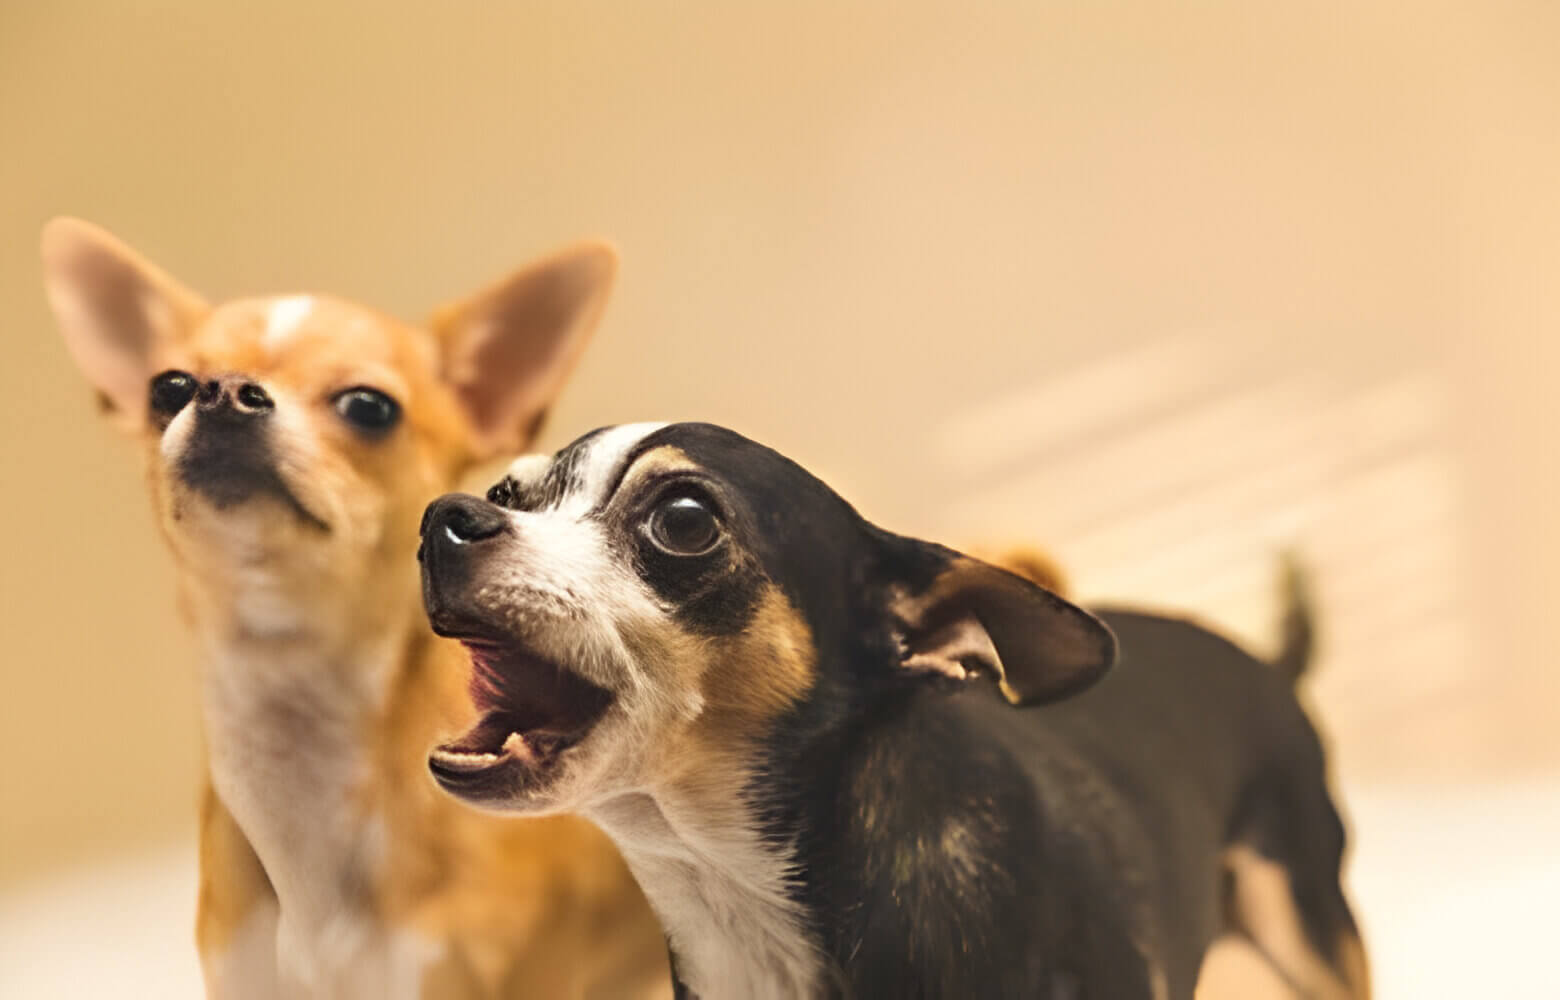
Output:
x=1457 y=888
x=120 y=930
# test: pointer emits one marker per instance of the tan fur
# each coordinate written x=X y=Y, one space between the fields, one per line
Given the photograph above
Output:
x=504 y=907
x=1030 y=563
x=1233 y=969
x=233 y=884
x=763 y=671
x=696 y=771
x=743 y=681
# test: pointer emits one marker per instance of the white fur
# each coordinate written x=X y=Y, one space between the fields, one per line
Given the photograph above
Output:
x=719 y=888
x=720 y=892
x=283 y=319
x=288 y=760
x=176 y=437
x=246 y=968
x=602 y=462
x=411 y=954
x=529 y=468
x=603 y=455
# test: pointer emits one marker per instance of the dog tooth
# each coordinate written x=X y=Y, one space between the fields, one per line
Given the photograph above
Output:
x=466 y=760
x=516 y=746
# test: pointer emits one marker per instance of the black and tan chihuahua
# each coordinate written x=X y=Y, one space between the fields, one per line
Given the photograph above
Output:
x=846 y=763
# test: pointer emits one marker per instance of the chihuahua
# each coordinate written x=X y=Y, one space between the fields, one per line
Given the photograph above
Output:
x=291 y=444
x=846 y=763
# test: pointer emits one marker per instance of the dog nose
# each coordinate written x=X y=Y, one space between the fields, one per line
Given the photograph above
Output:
x=461 y=519
x=233 y=395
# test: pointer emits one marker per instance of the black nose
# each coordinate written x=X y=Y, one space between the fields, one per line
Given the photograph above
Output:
x=460 y=519
x=233 y=396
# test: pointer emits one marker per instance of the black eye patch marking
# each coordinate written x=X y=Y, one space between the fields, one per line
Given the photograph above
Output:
x=504 y=493
x=716 y=593
x=564 y=475
x=560 y=479
x=713 y=587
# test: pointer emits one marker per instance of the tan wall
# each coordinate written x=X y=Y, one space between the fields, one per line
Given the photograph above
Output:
x=843 y=231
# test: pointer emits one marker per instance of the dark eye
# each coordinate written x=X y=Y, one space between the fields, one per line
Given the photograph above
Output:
x=368 y=409
x=502 y=493
x=683 y=526
x=172 y=391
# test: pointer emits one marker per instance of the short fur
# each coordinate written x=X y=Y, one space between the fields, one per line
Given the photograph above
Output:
x=330 y=865
x=844 y=763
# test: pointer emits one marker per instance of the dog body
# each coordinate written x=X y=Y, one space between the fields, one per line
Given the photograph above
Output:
x=844 y=763
x=291 y=444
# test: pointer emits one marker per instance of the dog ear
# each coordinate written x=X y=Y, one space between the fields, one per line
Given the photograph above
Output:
x=122 y=317
x=509 y=348
x=971 y=617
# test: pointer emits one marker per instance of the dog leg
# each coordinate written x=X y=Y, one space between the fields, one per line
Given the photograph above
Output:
x=1311 y=943
x=1234 y=969
x=236 y=912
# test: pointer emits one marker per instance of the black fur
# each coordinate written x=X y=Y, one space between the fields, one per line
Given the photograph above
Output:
x=562 y=477
x=229 y=461
x=952 y=845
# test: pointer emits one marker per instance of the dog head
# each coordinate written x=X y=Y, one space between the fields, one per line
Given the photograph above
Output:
x=292 y=441
x=650 y=603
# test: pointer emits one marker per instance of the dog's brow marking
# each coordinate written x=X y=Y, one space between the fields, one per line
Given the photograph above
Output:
x=595 y=470
x=527 y=469
x=283 y=319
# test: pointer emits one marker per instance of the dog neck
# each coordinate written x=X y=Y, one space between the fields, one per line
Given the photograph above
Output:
x=721 y=891
x=288 y=717
x=810 y=882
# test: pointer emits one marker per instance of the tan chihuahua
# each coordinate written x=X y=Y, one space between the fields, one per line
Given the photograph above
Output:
x=292 y=444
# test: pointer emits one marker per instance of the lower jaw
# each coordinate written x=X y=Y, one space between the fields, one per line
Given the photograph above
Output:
x=497 y=754
x=506 y=786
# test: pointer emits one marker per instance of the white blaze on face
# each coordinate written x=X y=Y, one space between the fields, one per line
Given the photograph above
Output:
x=596 y=470
x=176 y=436
x=528 y=469
x=563 y=583
x=564 y=547
x=283 y=319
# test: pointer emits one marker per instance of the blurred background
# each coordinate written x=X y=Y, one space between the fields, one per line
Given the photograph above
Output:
x=1164 y=289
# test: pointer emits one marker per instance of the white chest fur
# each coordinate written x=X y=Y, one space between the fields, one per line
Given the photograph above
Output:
x=289 y=755
x=722 y=900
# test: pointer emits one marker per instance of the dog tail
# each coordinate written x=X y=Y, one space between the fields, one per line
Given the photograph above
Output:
x=1298 y=629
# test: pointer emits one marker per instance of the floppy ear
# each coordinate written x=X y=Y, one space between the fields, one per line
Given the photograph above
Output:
x=509 y=348
x=974 y=618
x=122 y=317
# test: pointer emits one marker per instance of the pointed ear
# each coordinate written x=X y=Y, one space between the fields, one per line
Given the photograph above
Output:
x=122 y=317
x=509 y=348
x=973 y=618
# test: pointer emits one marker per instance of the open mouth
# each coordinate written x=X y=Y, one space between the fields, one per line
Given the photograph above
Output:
x=533 y=711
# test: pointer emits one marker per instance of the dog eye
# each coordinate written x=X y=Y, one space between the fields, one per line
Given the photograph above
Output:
x=683 y=526
x=172 y=391
x=502 y=493
x=368 y=409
